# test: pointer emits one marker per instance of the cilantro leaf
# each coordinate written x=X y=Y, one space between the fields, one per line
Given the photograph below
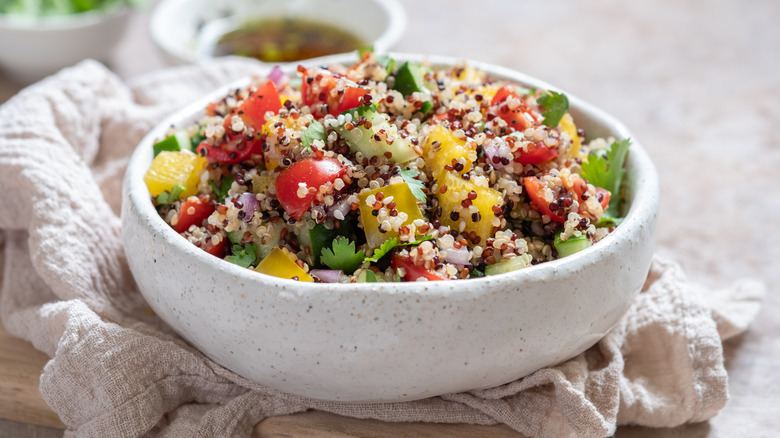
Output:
x=342 y=256
x=383 y=249
x=555 y=106
x=315 y=131
x=390 y=244
x=415 y=185
x=607 y=172
x=221 y=192
x=243 y=256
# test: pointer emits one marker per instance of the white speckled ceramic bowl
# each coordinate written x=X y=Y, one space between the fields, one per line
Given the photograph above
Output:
x=392 y=341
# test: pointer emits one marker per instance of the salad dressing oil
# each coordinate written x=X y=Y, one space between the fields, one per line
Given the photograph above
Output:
x=286 y=40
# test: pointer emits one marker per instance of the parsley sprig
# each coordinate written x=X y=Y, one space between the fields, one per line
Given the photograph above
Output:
x=221 y=191
x=342 y=256
x=390 y=244
x=607 y=172
x=415 y=185
x=243 y=256
x=555 y=106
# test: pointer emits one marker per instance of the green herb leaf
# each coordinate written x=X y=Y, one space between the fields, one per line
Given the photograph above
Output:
x=387 y=62
x=243 y=256
x=476 y=273
x=221 y=192
x=166 y=198
x=383 y=249
x=235 y=236
x=415 y=185
x=390 y=244
x=342 y=256
x=555 y=106
x=315 y=131
x=607 y=172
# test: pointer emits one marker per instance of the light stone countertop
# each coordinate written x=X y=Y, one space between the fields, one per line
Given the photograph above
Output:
x=698 y=83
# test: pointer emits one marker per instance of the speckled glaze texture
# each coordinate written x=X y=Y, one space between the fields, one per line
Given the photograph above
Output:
x=392 y=341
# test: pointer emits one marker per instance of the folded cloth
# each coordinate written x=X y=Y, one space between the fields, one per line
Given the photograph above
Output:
x=116 y=370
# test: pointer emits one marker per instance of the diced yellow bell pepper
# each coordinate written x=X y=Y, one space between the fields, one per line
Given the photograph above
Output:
x=279 y=264
x=442 y=147
x=405 y=202
x=567 y=125
x=488 y=91
x=453 y=212
x=261 y=183
x=170 y=168
x=471 y=75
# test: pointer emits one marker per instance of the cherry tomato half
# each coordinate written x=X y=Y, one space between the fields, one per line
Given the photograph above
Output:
x=413 y=272
x=253 y=109
x=352 y=98
x=580 y=186
x=312 y=172
x=515 y=118
x=536 y=153
x=534 y=188
x=237 y=149
x=217 y=250
x=193 y=212
x=316 y=92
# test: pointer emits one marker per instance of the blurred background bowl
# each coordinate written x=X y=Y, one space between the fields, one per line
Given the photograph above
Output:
x=34 y=47
x=182 y=29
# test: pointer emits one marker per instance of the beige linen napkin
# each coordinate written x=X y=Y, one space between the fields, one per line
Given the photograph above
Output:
x=117 y=371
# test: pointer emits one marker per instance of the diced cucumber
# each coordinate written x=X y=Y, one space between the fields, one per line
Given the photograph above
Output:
x=235 y=236
x=275 y=231
x=317 y=237
x=410 y=78
x=571 y=245
x=509 y=265
x=367 y=276
x=166 y=197
x=175 y=142
x=367 y=140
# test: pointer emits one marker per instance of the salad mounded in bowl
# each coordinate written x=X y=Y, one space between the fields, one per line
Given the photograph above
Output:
x=341 y=180
x=383 y=171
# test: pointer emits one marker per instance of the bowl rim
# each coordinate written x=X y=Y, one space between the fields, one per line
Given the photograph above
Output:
x=392 y=34
x=644 y=204
x=50 y=23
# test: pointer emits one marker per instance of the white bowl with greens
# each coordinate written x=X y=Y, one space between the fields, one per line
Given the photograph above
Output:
x=393 y=341
x=40 y=38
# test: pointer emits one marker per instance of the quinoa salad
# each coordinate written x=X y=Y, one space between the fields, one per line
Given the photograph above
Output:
x=385 y=171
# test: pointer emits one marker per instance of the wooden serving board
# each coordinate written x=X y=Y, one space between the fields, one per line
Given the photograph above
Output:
x=21 y=366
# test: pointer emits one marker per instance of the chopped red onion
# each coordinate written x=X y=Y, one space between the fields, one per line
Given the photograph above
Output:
x=249 y=205
x=500 y=149
x=327 y=275
x=342 y=207
x=278 y=77
x=458 y=256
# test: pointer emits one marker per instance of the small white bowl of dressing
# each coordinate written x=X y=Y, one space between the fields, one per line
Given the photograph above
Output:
x=187 y=31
